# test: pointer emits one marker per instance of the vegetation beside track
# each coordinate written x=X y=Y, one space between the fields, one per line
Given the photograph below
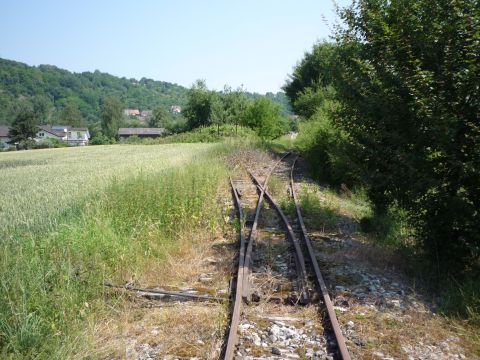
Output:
x=388 y=107
x=132 y=206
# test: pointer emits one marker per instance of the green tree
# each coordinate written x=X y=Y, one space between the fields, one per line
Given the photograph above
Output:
x=219 y=112
x=235 y=103
x=314 y=73
x=409 y=94
x=160 y=118
x=111 y=115
x=71 y=115
x=263 y=116
x=199 y=105
x=24 y=127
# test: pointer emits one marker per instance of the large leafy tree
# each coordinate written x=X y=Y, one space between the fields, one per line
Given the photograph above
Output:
x=111 y=116
x=410 y=94
x=312 y=78
x=199 y=105
x=24 y=127
x=263 y=116
x=71 y=115
x=235 y=103
x=160 y=118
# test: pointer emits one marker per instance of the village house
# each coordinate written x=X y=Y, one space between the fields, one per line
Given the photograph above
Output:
x=125 y=133
x=4 y=138
x=65 y=133
x=131 y=112
x=175 y=109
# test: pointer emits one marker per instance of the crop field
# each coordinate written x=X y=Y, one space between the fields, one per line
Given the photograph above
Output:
x=37 y=187
x=72 y=219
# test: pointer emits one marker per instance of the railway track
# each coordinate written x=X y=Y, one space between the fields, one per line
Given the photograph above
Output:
x=276 y=312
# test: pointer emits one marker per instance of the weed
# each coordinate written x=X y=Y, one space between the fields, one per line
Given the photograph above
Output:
x=51 y=286
x=276 y=185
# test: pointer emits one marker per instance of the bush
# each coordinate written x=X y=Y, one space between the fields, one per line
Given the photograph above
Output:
x=101 y=139
x=43 y=144
x=208 y=134
x=409 y=94
x=326 y=148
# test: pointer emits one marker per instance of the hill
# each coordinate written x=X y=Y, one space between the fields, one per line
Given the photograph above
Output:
x=49 y=89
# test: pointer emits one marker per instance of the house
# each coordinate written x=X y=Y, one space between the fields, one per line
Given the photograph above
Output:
x=125 y=133
x=131 y=112
x=175 y=109
x=65 y=133
x=4 y=138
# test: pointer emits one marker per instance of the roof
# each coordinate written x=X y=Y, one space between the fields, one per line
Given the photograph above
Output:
x=141 y=131
x=48 y=128
x=131 y=112
x=4 y=130
x=59 y=130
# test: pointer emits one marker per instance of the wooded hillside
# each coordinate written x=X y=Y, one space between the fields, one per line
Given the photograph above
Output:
x=48 y=89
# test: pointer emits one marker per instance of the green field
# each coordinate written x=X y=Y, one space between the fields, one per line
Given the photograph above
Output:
x=74 y=218
x=38 y=186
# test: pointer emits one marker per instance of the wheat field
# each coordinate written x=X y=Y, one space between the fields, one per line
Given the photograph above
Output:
x=37 y=187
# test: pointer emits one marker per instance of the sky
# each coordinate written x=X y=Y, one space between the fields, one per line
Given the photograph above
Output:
x=254 y=43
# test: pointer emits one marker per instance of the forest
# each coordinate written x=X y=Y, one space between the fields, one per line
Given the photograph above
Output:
x=52 y=93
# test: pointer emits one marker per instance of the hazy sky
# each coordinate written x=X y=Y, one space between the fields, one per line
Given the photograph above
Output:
x=251 y=42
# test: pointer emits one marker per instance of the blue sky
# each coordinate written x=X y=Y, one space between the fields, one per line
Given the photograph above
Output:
x=254 y=43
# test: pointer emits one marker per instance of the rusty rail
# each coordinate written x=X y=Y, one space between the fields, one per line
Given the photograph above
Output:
x=342 y=347
x=237 y=306
x=300 y=260
x=242 y=289
x=253 y=234
x=159 y=292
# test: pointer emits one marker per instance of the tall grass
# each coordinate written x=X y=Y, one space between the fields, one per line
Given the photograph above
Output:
x=37 y=187
x=51 y=285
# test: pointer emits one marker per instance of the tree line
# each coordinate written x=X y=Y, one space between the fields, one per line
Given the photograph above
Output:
x=203 y=107
x=233 y=106
x=393 y=105
x=60 y=96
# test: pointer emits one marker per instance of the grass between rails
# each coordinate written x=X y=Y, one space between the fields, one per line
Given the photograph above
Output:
x=51 y=293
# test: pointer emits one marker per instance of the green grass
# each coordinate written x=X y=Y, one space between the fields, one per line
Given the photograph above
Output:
x=39 y=187
x=207 y=134
x=132 y=205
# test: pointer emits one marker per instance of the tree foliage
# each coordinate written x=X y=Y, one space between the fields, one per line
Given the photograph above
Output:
x=71 y=115
x=49 y=89
x=160 y=118
x=405 y=76
x=24 y=127
x=111 y=114
x=411 y=101
x=263 y=116
x=198 y=110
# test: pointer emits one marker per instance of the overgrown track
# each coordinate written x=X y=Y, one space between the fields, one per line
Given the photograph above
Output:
x=244 y=262
x=318 y=275
x=303 y=273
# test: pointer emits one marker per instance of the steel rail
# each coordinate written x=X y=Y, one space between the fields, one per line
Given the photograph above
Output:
x=244 y=260
x=342 y=347
x=300 y=260
x=157 y=292
x=253 y=235
x=237 y=306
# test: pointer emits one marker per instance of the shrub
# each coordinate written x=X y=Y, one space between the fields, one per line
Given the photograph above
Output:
x=101 y=139
x=326 y=147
